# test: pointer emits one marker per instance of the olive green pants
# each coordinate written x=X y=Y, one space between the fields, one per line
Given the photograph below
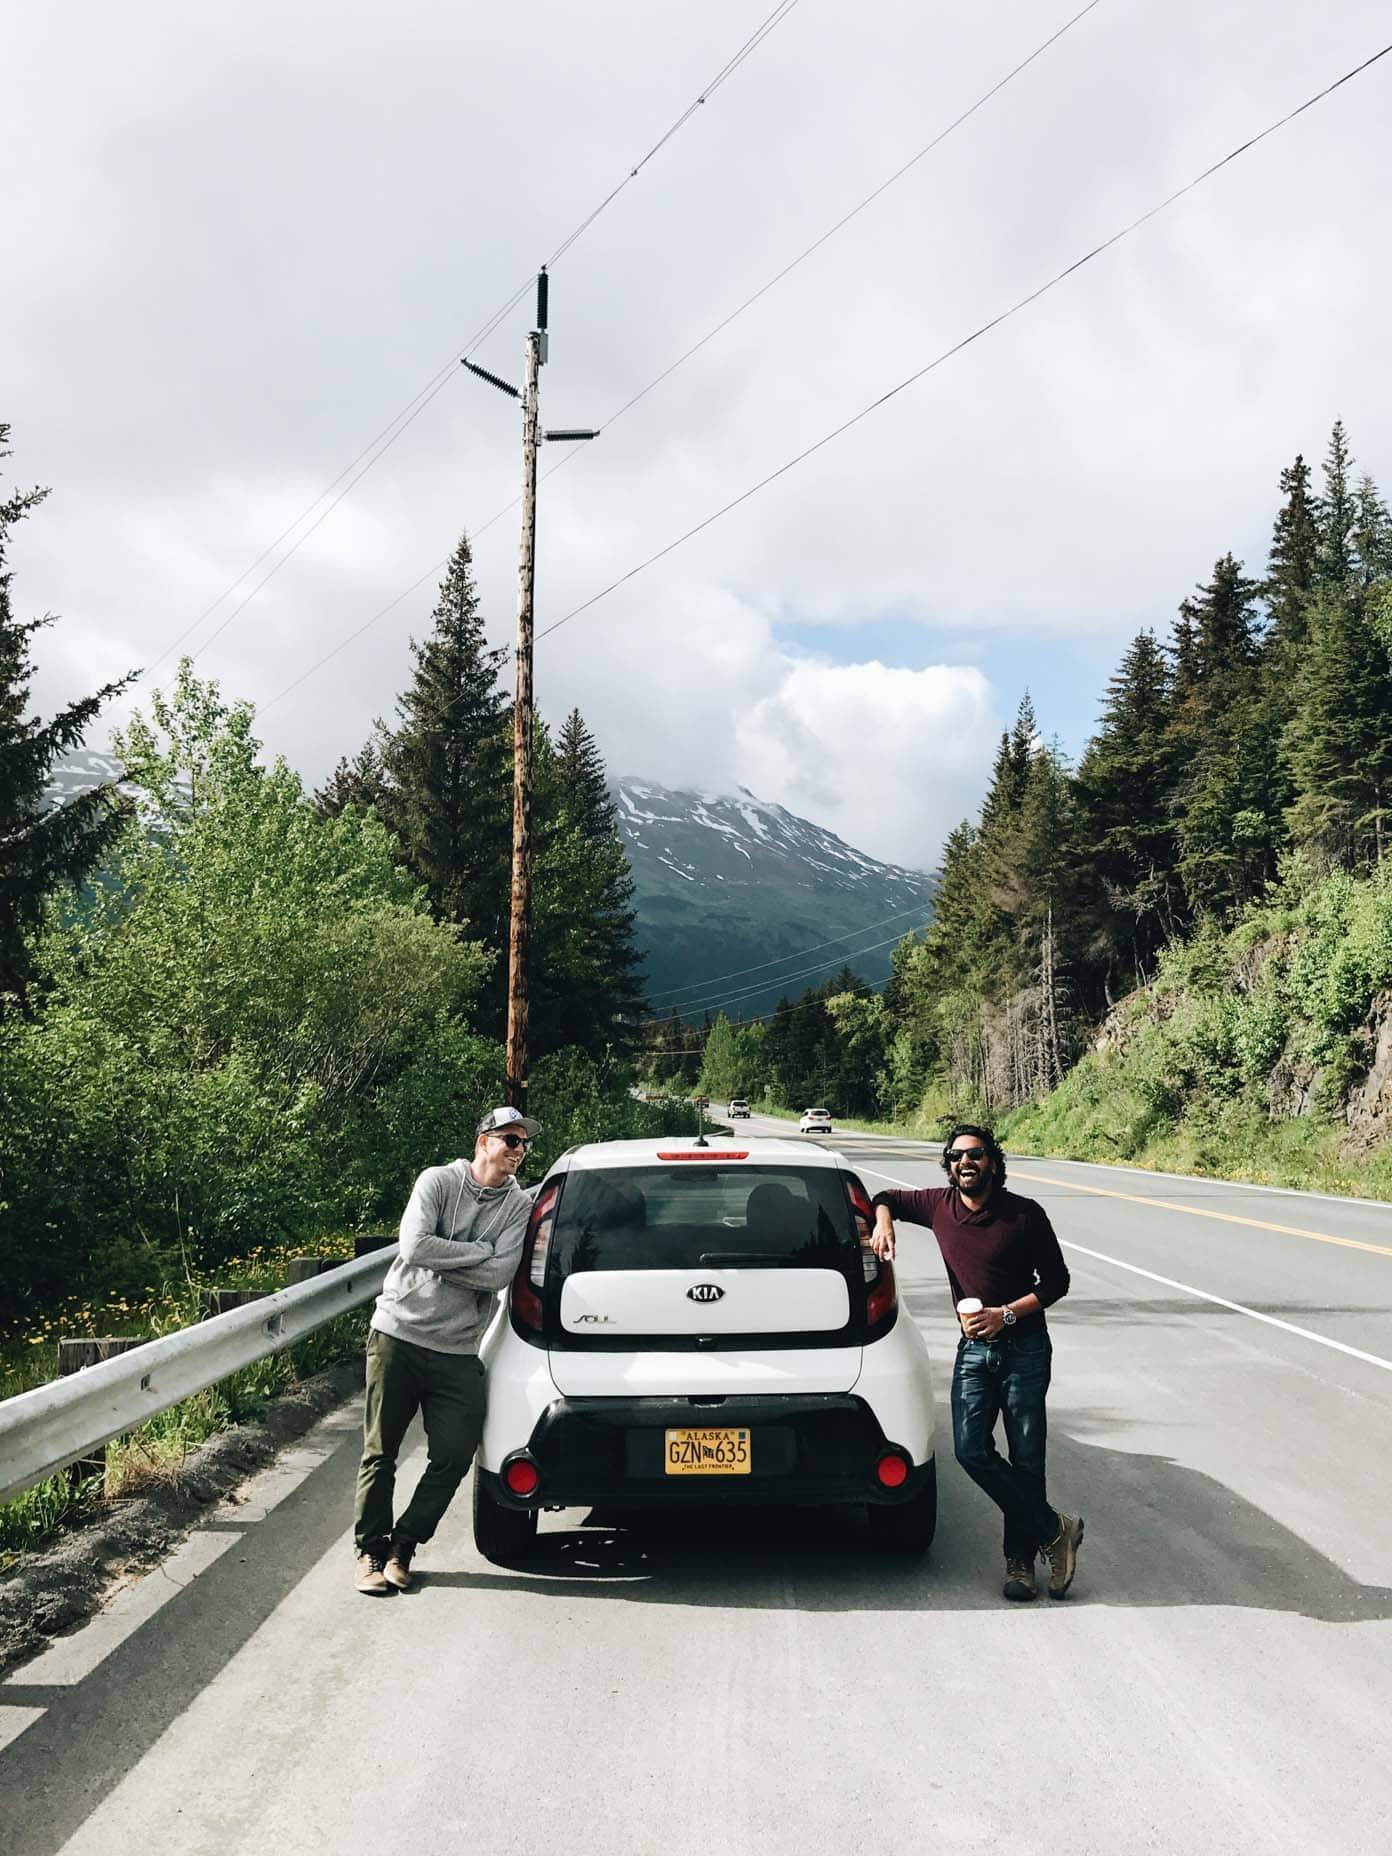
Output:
x=447 y=1390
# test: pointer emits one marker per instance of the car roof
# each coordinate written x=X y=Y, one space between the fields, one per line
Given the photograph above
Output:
x=751 y=1150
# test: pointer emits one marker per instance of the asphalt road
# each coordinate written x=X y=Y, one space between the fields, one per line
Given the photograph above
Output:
x=1221 y=1675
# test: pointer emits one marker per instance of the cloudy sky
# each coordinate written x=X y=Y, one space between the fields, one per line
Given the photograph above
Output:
x=237 y=247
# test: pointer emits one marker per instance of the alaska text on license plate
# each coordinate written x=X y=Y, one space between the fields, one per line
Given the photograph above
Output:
x=707 y=1453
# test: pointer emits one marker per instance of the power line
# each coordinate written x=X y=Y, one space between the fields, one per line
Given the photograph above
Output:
x=727 y=70
x=966 y=342
x=720 y=1001
x=378 y=447
x=713 y=979
x=846 y=218
x=742 y=1024
x=733 y=315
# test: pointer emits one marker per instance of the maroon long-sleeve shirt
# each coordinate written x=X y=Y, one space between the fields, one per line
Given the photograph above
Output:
x=1005 y=1250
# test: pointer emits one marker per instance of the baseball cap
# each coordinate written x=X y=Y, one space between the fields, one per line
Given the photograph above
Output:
x=499 y=1120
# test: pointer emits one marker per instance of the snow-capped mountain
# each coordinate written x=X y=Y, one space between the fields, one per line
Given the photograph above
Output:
x=738 y=901
x=727 y=882
x=78 y=773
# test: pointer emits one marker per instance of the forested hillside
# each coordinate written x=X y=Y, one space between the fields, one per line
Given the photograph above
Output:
x=1220 y=852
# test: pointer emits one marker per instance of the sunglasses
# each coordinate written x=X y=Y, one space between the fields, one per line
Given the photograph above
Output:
x=966 y=1153
x=513 y=1140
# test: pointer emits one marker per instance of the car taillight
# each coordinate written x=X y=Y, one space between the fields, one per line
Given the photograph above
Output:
x=864 y=1215
x=883 y=1297
x=881 y=1293
x=531 y=1271
x=708 y=1153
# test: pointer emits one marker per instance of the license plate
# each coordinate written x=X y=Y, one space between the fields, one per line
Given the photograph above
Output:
x=707 y=1453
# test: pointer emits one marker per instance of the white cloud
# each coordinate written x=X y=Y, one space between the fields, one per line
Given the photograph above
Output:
x=889 y=759
x=242 y=245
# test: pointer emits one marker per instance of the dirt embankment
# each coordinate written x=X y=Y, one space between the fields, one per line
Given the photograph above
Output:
x=60 y=1587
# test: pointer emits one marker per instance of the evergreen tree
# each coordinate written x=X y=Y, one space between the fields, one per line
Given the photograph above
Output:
x=1372 y=534
x=1292 y=566
x=448 y=780
x=1126 y=829
x=1228 y=797
x=361 y=782
x=1337 y=513
x=40 y=850
x=584 y=970
x=1338 y=744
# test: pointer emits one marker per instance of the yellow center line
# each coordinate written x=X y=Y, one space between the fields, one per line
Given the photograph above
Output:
x=1197 y=1211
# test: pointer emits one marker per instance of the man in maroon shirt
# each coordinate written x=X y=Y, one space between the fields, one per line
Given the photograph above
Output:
x=1000 y=1249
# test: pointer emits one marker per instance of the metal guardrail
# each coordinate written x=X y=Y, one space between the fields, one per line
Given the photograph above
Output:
x=53 y=1425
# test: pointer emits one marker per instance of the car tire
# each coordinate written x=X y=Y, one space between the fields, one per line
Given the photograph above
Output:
x=907 y=1527
x=501 y=1534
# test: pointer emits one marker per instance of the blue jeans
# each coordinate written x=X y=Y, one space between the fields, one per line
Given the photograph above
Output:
x=1006 y=1378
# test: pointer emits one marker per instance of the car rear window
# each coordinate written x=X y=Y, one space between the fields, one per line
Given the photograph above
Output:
x=696 y=1214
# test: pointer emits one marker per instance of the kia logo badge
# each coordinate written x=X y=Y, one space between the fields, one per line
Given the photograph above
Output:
x=704 y=1292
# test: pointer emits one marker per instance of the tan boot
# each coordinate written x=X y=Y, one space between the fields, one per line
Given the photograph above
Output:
x=369 y=1576
x=1062 y=1554
x=1019 y=1580
x=397 y=1570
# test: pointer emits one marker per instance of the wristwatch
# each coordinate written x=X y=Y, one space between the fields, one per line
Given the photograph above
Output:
x=1008 y=1316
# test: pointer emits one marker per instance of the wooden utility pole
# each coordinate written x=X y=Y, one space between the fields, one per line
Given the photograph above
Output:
x=519 y=929
x=519 y=932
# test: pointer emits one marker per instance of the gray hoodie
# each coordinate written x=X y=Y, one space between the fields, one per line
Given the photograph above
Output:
x=460 y=1243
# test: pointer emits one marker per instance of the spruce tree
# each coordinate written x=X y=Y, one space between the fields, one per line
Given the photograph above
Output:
x=1372 y=534
x=448 y=778
x=1292 y=566
x=40 y=849
x=584 y=985
x=360 y=782
x=1336 y=512
x=1228 y=796
x=1338 y=744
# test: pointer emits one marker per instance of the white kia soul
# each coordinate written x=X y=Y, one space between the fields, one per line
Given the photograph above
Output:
x=694 y=1325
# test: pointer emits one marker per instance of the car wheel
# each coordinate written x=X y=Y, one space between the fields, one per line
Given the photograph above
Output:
x=501 y=1534
x=907 y=1527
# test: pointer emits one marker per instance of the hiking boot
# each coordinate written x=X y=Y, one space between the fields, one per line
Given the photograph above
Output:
x=1019 y=1580
x=1062 y=1554
x=397 y=1570
x=370 y=1576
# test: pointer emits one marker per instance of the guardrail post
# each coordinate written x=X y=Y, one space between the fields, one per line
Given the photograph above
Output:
x=378 y=1240
x=218 y=1301
x=303 y=1269
x=73 y=1355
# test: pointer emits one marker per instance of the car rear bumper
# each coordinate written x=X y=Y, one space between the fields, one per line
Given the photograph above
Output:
x=804 y=1447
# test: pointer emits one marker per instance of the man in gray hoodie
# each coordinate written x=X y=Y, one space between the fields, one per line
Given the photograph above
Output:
x=461 y=1237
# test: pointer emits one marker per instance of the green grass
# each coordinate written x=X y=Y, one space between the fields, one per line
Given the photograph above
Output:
x=156 y=1451
x=1100 y=1113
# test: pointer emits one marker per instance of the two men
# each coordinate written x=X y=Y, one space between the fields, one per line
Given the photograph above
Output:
x=1001 y=1252
x=461 y=1236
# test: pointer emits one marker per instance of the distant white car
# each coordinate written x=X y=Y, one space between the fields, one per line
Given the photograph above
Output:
x=815 y=1121
x=739 y=1109
x=696 y=1326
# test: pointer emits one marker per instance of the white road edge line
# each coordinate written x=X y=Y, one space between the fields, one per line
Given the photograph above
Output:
x=1289 y=1327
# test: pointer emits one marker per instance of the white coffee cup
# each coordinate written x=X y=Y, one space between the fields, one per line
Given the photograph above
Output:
x=969 y=1305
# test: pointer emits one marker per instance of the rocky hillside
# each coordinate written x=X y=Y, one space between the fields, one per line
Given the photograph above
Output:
x=1262 y=1050
x=727 y=882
